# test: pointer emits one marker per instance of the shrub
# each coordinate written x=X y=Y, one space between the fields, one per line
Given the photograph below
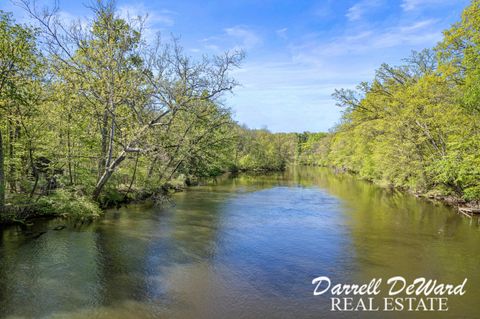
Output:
x=66 y=204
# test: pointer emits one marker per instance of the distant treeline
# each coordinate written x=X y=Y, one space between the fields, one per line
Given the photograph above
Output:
x=416 y=126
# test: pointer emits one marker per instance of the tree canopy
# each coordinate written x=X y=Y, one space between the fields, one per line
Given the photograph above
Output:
x=416 y=126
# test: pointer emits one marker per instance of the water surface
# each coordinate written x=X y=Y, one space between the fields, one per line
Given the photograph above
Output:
x=244 y=247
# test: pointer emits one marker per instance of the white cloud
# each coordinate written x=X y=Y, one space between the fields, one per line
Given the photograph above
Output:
x=68 y=19
x=318 y=64
x=233 y=38
x=160 y=18
x=213 y=47
x=410 y=5
x=155 y=21
x=246 y=37
x=282 y=33
x=416 y=35
x=358 y=10
x=323 y=9
x=270 y=90
x=418 y=25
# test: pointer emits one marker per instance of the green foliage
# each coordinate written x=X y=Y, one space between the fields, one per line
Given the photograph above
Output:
x=416 y=126
x=102 y=110
x=111 y=197
x=67 y=204
x=460 y=56
x=260 y=150
x=19 y=67
x=309 y=147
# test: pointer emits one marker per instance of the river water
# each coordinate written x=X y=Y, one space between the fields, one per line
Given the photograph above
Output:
x=244 y=247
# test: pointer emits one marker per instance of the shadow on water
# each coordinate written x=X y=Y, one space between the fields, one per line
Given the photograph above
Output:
x=241 y=247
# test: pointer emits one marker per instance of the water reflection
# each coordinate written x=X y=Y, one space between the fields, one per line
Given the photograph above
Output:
x=243 y=247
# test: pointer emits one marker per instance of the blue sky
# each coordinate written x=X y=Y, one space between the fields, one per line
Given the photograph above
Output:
x=298 y=52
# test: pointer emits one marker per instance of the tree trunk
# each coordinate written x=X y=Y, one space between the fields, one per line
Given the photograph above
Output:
x=69 y=150
x=34 y=170
x=13 y=134
x=103 y=151
x=110 y=169
x=107 y=174
x=2 y=175
x=133 y=178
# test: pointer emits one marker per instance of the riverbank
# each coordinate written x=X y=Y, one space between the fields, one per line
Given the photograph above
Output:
x=455 y=201
x=468 y=208
x=68 y=204
x=71 y=205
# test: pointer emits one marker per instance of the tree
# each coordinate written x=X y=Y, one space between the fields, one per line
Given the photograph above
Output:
x=18 y=68
x=131 y=91
x=459 y=55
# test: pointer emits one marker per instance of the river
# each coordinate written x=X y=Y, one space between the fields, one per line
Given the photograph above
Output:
x=243 y=247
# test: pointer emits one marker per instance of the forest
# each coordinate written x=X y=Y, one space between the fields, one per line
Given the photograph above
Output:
x=416 y=126
x=95 y=114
